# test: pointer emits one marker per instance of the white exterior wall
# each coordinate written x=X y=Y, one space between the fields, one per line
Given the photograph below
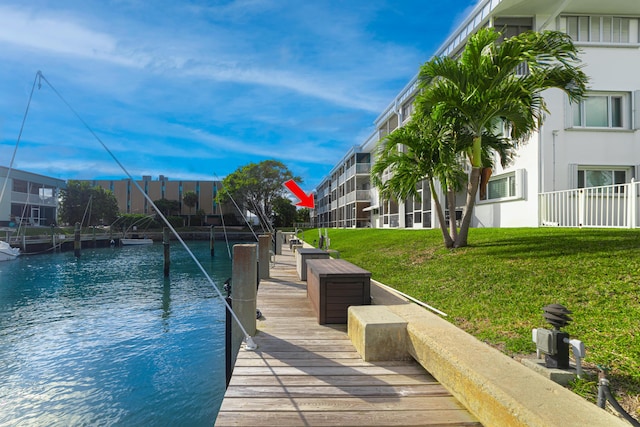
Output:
x=551 y=158
x=5 y=202
x=522 y=210
x=610 y=70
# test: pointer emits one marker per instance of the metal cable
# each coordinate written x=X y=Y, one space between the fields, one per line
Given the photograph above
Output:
x=250 y=345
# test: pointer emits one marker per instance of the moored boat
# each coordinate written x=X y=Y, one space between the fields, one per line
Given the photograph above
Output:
x=8 y=253
x=136 y=241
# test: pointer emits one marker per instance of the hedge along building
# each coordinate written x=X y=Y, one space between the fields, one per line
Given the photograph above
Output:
x=591 y=144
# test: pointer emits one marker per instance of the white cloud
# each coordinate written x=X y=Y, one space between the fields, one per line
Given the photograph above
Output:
x=178 y=87
x=215 y=57
x=306 y=152
x=58 y=35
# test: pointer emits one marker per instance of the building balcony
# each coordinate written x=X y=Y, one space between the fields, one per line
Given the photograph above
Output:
x=363 y=195
x=363 y=168
x=32 y=199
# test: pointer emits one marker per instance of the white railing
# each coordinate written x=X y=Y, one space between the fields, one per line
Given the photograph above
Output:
x=363 y=195
x=350 y=172
x=615 y=206
x=350 y=197
x=32 y=199
x=363 y=168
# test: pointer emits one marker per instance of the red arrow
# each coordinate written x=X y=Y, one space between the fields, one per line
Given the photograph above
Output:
x=306 y=201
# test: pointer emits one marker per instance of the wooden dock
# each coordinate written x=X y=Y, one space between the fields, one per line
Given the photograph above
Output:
x=306 y=374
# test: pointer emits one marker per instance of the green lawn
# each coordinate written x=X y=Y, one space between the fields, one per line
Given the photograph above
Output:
x=495 y=288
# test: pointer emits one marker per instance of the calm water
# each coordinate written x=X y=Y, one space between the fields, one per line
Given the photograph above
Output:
x=107 y=340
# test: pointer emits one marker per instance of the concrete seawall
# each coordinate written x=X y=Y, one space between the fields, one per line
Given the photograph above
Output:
x=494 y=387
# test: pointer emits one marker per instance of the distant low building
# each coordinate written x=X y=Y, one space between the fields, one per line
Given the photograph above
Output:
x=132 y=201
x=29 y=198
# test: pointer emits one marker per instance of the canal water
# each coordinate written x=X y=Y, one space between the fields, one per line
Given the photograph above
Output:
x=107 y=340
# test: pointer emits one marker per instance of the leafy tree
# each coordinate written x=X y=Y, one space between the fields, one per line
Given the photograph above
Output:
x=464 y=101
x=87 y=205
x=284 y=212
x=190 y=199
x=167 y=207
x=255 y=186
x=303 y=215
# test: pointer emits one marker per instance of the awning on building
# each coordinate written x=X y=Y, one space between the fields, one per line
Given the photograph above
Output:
x=370 y=208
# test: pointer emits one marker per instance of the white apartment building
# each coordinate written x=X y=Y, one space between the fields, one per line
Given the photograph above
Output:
x=29 y=198
x=582 y=146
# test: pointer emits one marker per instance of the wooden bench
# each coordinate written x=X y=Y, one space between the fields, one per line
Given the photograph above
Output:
x=294 y=241
x=305 y=254
x=335 y=284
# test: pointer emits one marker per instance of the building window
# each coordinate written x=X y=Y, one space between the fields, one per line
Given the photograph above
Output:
x=408 y=109
x=601 y=177
x=507 y=186
x=510 y=27
x=502 y=187
x=45 y=193
x=601 y=111
x=601 y=29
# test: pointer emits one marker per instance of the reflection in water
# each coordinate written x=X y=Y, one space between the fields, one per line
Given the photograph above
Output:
x=166 y=303
x=107 y=340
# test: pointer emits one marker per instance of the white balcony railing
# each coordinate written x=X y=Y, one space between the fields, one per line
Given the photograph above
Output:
x=615 y=206
x=32 y=199
x=363 y=168
x=363 y=195
x=351 y=172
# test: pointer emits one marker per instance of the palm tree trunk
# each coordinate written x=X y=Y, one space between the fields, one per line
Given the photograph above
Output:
x=448 y=241
x=472 y=190
x=451 y=203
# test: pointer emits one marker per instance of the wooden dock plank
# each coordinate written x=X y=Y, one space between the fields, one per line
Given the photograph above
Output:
x=351 y=403
x=433 y=389
x=331 y=380
x=328 y=370
x=354 y=418
x=306 y=374
x=312 y=362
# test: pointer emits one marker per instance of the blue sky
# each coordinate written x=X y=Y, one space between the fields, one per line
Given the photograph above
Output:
x=194 y=89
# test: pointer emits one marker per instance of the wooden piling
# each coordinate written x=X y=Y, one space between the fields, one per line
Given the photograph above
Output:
x=167 y=251
x=228 y=341
x=212 y=241
x=244 y=291
x=77 y=244
x=264 y=248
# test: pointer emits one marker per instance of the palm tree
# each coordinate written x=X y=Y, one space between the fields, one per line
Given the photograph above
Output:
x=483 y=89
x=190 y=198
x=415 y=152
x=428 y=148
